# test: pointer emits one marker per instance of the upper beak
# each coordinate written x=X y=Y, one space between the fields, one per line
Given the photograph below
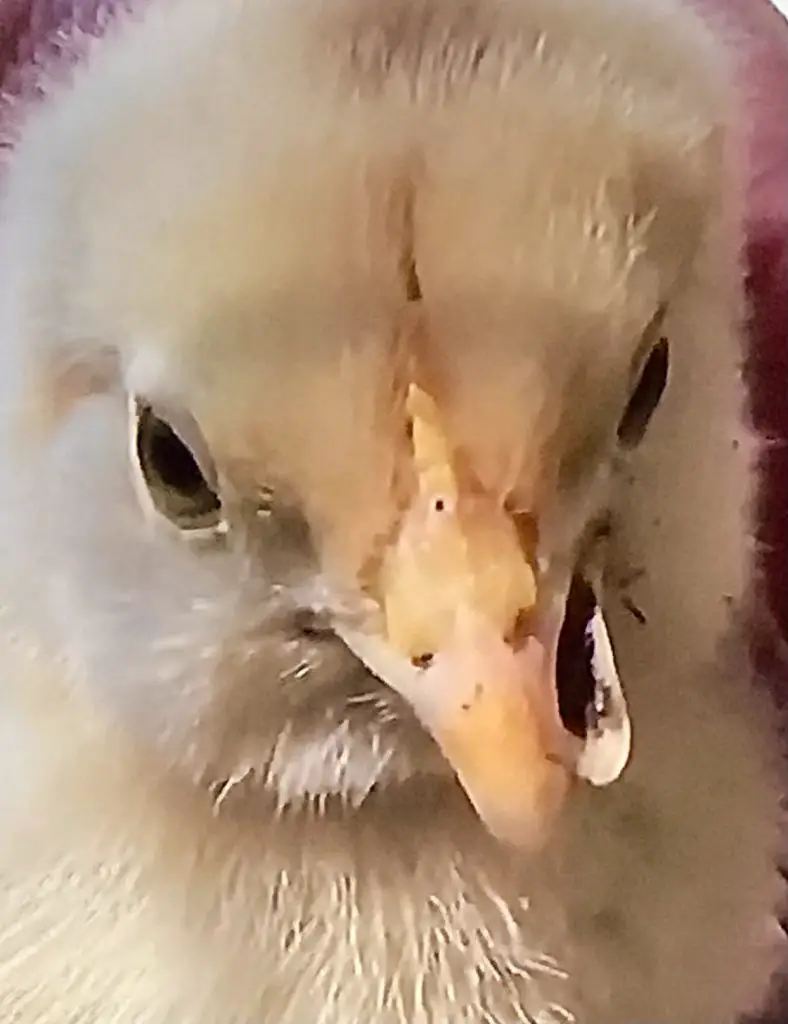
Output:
x=470 y=643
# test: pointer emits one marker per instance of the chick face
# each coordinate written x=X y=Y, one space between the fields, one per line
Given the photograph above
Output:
x=340 y=583
x=372 y=377
x=455 y=607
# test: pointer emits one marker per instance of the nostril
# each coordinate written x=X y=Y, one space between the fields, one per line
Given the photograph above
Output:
x=521 y=629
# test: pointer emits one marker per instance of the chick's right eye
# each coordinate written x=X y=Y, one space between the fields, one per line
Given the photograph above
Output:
x=176 y=485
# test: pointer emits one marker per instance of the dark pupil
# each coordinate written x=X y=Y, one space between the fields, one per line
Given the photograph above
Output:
x=646 y=396
x=169 y=465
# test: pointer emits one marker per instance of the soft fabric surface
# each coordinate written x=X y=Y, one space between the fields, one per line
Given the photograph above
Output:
x=35 y=31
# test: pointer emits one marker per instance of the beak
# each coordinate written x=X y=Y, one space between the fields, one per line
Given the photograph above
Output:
x=493 y=712
x=470 y=642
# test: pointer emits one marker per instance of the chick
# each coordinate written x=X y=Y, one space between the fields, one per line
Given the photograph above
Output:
x=375 y=473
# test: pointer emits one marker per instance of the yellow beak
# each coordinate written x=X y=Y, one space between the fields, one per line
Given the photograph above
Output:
x=457 y=589
x=493 y=712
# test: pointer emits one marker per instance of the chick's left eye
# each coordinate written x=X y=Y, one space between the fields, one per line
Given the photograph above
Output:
x=171 y=473
x=646 y=397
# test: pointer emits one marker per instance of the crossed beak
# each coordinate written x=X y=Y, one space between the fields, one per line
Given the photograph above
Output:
x=470 y=642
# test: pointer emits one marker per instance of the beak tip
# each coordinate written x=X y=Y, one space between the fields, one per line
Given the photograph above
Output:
x=527 y=824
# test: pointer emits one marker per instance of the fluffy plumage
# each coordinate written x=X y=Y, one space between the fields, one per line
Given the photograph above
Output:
x=211 y=812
